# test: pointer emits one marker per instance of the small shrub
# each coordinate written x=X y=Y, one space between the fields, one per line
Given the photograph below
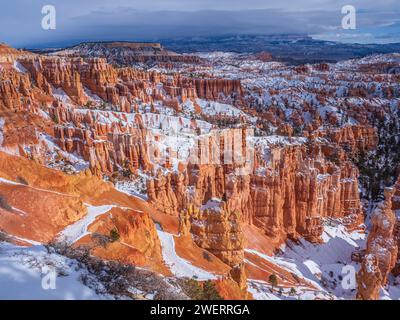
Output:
x=22 y=180
x=114 y=235
x=207 y=256
x=126 y=173
x=3 y=236
x=273 y=280
x=4 y=204
x=56 y=119
x=115 y=174
x=101 y=239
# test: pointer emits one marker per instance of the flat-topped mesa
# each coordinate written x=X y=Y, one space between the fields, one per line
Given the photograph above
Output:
x=396 y=195
x=125 y=53
x=381 y=252
x=126 y=44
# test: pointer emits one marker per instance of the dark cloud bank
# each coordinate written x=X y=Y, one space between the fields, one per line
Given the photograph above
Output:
x=20 y=21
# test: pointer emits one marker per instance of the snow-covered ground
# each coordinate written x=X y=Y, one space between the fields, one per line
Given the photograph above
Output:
x=324 y=266
x=60 y=94
x=40 y=273
x=213 y=108
x=79 y=229
x=179 y=267
x=27 y=273
x=19 y=67
x=75 y=162
x=1 y=131
x=134 y=186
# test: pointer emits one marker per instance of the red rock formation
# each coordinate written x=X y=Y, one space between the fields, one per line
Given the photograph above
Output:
x=15 y=90
x=290 y=188
x=212 y=89
x=291 y=196
x=396 y=208
x=59 y=73
x=263 y=56
x=381 y=252
x=103 y=145
x=355 y=138
x=304 y=191
x=218 y=230
x=79 y=79
x=138 y=243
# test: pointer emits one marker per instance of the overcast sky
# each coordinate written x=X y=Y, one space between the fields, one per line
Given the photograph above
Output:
x=83 y=20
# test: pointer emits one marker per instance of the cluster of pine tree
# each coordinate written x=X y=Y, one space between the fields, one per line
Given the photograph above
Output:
x=380 y=168
x=197 y=291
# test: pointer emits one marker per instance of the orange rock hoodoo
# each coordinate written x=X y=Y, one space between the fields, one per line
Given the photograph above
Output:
x=289 y=200
x=103 y=145
x=286 y=196
x=211 y=89
x=381 y=252
x=119 y=86
x=354 y=138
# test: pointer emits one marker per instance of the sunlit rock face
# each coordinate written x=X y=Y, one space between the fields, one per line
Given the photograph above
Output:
x=381 y=252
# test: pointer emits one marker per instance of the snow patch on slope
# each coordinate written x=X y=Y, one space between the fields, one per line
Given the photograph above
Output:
x=74 y=163
x=1 y=131
x=320 y=265
x=19 y=67
x=135 y=187
x=79 y=229
x=179 y=266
